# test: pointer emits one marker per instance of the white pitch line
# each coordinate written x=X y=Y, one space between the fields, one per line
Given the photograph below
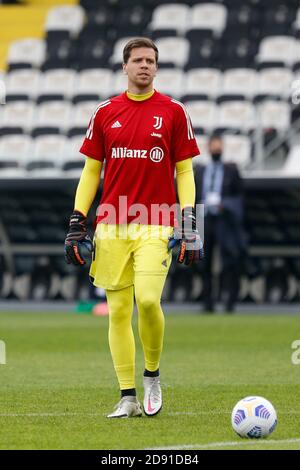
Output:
x=13 y=415
x=228 y=444
x=172 y=413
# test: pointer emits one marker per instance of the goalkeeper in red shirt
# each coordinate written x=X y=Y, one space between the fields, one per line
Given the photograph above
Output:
x=142 y=137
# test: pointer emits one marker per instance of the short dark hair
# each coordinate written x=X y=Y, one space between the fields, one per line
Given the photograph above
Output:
x=138 y=42
x=216 y=136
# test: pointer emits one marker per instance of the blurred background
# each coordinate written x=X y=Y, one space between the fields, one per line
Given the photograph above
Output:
x=235 y=64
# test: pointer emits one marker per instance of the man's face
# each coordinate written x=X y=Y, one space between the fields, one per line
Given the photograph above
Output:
x=216 y=147
x=141 y=67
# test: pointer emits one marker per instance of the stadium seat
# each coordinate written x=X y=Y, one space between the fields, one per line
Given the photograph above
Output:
x=275 y=81
x=23 y=82
x=18 y=113
x=204 y=157
x=95 y=81
x=2 y=89
x=278 y=49
x=203 y=114
x=61 y=50
x=237 y=149
x=119 y=83
x=170 y=82
x=173 y=50
x=72 y=158
x=238 y=52
x=82 y=113
x=274 y=115
x=202 y=81
x=58 y=82
x=56 y=114
x=27 y=51
x=94 y=51
x=66 y=17
x=239 y=81
x=237 y=115
x=117 y=55
x=47 y=152
x=14 y=150
x=171 y=16
x=208 y=16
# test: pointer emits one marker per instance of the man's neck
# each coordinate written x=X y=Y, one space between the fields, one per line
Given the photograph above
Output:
x=139 y=97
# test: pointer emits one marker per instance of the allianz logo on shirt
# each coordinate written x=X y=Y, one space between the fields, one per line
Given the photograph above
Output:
x=156 y=153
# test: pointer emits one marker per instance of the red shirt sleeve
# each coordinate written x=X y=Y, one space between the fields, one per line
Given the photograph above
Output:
x=184 y=144
x=93 y=144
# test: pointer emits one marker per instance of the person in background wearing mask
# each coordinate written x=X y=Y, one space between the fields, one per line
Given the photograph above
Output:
x=219 y=187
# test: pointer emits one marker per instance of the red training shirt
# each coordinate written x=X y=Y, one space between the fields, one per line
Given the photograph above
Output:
x=140 y=141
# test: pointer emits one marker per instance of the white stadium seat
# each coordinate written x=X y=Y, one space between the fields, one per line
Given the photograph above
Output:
x=117 y=55
x=2 y=89
x=66 y=17
x=239 y=81
x=204 y=157
x=237 y=114
x=73 y=160
x=119 y=83
x=54 y=114
x=237 y=149
x=18 y=114
x=95 y=81
x=15 y=148
x=31 y=51
x=169 y=82
x=174 y=50
x=23 y=82
x=278 y=49
x=82 y=113
x=208 y=16
x=48 y=148
x=273 y=114
x=204 y=81
x=171 y=16
x=58 y=82
x=203 y=114
x=275 y=81
x=71 y=149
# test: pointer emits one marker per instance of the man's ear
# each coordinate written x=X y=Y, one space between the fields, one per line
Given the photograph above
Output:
x=124 y=69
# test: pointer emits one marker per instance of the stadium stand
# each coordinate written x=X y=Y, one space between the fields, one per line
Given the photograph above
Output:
x=235 y=65
x=242 y=57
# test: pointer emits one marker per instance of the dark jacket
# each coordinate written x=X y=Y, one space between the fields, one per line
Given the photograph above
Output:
x=232 y=234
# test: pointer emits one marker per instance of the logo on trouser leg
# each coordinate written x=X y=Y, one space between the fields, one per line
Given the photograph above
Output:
x=164 y=263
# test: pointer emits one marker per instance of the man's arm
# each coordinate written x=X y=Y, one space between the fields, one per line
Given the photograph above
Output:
x=85 y=194
x=185 y=183
x=88 y=185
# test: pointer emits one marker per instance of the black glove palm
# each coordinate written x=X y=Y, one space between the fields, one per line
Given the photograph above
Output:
x=76 y=238
x=188 y=239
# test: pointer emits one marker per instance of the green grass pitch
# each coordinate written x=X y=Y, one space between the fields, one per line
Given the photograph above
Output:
x=58 y=382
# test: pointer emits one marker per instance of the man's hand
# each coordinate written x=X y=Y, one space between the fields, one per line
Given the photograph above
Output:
x=76 y=238
x=188 y=239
